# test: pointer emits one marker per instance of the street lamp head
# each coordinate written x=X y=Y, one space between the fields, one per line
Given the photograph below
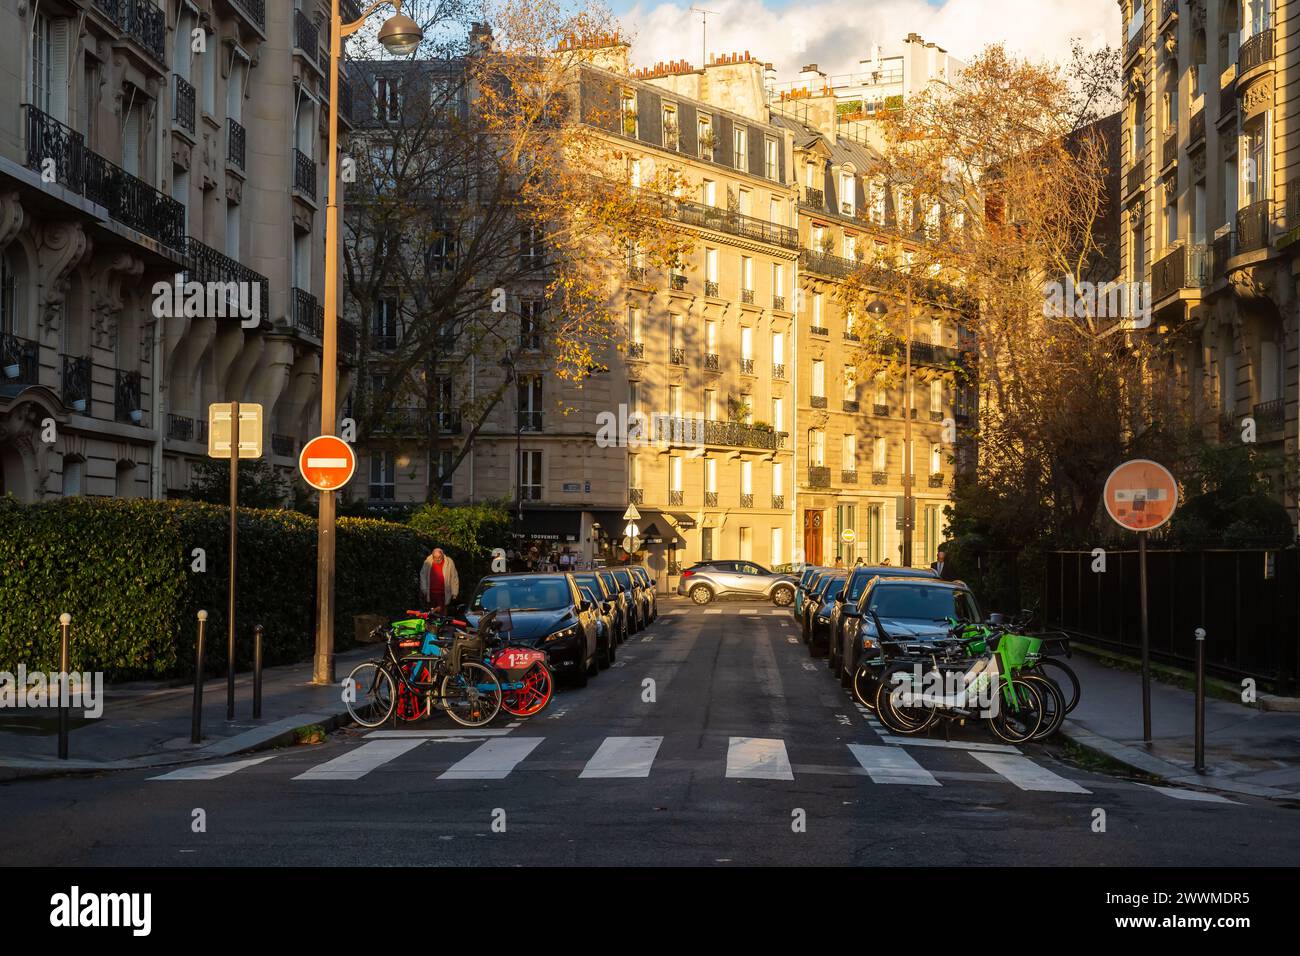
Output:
x=877 y=309
x=400 y=35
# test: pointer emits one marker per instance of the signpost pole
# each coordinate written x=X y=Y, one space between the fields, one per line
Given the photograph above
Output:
x=1146 y=638
x=234 y=535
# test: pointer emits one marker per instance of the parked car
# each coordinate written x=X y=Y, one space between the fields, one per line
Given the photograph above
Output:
x=543 y=610
x=636 y=619
x=805 y=581
x=649 y=598
x=912 y=608
x=709 y=580
x=813 y=600
x=619 y=596
x=846 y=604
x=606 y=639
x=607 y=596
x=819 y=621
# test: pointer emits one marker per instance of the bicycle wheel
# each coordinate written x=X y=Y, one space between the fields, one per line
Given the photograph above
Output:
x=1018 y=718
x=539 y=685
x=1053 y=704
x=864 y=687
x=413 y=703
x=895 y=716
x=1066 y=679
x=369 y=694
x=472 y=695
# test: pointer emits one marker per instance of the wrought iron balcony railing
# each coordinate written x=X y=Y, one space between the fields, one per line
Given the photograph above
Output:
x=1169 y=151
x=180 y=427
x=677 y=356
x=182 y=102
x=778 y=370
x=636 y=273
x=825 y=264
x=636 y=350
x=1196 y=128
x=878 y=409
x=235 y=144
x=712 y=361
x=746 y=366
x=636 y=496
x=820 y=330
x=530 y=421
x=819 y=476
x=677 y=281
x=814 y=197
x=304 y=173
x=307 y=315
x=747 y=296
x=935 y=415
x=710 y=499
x=879 y=477
x=849 y=477
x=1255 y=52
x=1134 y=178
x=306 y=36
x=1293 y=203
x=76 y=383
x=282 y=445
x=676 y=496
x=710 y=288
x=146 y=24
x=19 y=360
x=818 y=401
x=207 y=265
x=1253 y=226
x=253 y=10
x=128 y=199
x=778 y=302
x=936 y=480
x=724 y=220
x=1183 y=267
x=1269 y=416
x=746 y=501
x=127 y=406
x=1221 y=250
x=851 y=404
x=778 y=501
x=730 y=434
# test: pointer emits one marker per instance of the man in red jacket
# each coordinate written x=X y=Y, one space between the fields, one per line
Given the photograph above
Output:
x=439 y=582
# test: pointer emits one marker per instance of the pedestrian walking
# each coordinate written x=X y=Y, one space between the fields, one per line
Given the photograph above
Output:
x=439 y=583
x=943 y=567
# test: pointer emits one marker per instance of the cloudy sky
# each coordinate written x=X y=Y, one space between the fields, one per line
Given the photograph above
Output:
x=835 y=34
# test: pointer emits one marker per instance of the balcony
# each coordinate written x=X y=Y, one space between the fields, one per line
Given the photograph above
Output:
x=76 y=383
x=146 y=24
x=207 y=265
x=1269 y=416
x=235 y=144
x=850 y=405
x=307 y=316
x=1196 y=128
x=746 y=501
x=126 y=398
x=306 y=36
x=731 y=434
x=878 y=409
x=180 y=428
x=712 y=362
x=636 y=351
x=1255 y=52
x=819 y=476
x=778 y=370
x=1227 y=102
x=820 y=330
x=778 y=303
x=252 y=10
x=848 y=477
x=348 y=340
x=282 y=445
x=936 y=480
x=201 y=431
x=676 y=497
x=530 y=421
x=677 y=356
x=1134 y=178
x=304 y=174
x=1253 y=227
x=710 y=499
x=1169 y=152
x=711 y=288
x=677 y=281
x=636 y=496
x=128 y=199
x=746 y=366
x=1168 y=8
x=814 y=197
x=1134 y=44
x=449 y=423
x=1182 y=268
x=19 y=360
x=923 y=353
x=825 y=264
x=183 y=103
x=747 y=296
x=936 y=416
x=778 y=501
x=724 y=220
x=817 y=401
x=1293 y=203
x=879 y=477
x=636 y=273
x=1221 y=250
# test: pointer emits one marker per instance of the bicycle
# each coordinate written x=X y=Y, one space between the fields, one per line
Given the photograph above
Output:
x=446 y=673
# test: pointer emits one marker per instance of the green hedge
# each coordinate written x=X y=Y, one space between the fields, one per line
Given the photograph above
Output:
x=122 y=569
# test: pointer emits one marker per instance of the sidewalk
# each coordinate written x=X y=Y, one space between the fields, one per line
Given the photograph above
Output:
x=1247 y=750
x=147 y=723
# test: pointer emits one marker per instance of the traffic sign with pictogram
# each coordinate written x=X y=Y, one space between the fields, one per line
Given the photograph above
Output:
x=327 y=463
x=1141 y=495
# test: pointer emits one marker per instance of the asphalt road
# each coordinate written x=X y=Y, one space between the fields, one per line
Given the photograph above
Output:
x=763 y=759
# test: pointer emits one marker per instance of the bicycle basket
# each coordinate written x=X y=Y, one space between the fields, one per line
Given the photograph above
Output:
x=1015 y=649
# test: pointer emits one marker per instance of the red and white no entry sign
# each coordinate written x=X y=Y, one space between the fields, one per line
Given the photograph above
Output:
x=327 y=463
x=1141 y=495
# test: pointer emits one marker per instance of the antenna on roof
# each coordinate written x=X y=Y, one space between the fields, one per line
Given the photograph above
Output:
x=704 y=41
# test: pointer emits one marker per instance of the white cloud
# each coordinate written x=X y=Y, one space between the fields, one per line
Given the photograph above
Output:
x=835 y=35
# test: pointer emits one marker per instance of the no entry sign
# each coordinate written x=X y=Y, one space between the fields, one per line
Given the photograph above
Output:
x=1141 y=495
x=327 y=463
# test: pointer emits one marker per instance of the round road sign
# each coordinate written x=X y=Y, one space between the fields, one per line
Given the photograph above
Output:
x=1141 y=495
x=327 y=463
x=848 y=535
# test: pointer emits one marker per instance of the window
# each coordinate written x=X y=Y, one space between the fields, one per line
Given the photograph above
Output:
x=740 y=151
x=706 y=544
x=530 y=475
x=846 y=517
x=1270 y=370
x=850 y=246
x=532 y=246
x=627 y=113
x=529 y=394
x=778 y=348
x=817 y=310
x=774 y=215
x=671 y=137
x=709 y=192
x=771 y=159
x=383 y=476
x=746 y=342
x=746 y=477
x=880 y=454
x=776 y=557
x=747 y=274
x=711 y=475
x=445 y=489
x=675 y=401
x=743 y=202
x=849 y=453
x=882 y=393
x=816 y=448
x=633 y=324
x=850 y=383
x=8 y=296
x=634 y=173
x=442 y=253
x=778 y=414
x=1136 y=20
x=848 y=193
x=711 y=404
x=909 y=460
x=1257 y=174
x=746 y=544
x=704 y=137
x=936 y=458
x=778 y=281
x=530 y=324
x=383 y=326
x=850 y=325
x=710 y=337
x=49 y=65
x=818 y=378
x=388 y=98
x=930 y=518
x=711 y=265
x=675 y=473
x=676 y=331
x=233 y=227
x=747 y=408
x=210 y=74
x=74 y=475
x=877 y=201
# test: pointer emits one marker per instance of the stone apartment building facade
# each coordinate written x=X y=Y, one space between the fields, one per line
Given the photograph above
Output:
x=139 y=142
x=1211 y=208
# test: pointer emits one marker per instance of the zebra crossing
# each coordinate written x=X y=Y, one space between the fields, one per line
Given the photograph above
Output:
x=890 y=762
x=757 y=611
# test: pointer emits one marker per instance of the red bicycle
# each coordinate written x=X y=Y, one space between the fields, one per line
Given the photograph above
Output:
x=527 y=682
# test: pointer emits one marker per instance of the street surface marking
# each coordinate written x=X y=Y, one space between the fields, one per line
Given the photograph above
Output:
x=1178 y=794
x=1027 y=775
x=946 y=744
x=492 y=760
x=355 y=764
x=680 y=610
x=748 y=610
x=212 y=771
x=891 y=765
x=776 y=611
x=426 y=734
x=715 y=610
x=623 y=757
x=760 y=758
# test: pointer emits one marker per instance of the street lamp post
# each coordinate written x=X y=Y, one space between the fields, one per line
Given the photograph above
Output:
x=401 y=36
x=878 y=310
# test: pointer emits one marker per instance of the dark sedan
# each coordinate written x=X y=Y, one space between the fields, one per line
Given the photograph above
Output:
x=635 y=618
x=813 y=599
x=545 y=611
x=846 y=604
x=607 y=595
x=819 y=621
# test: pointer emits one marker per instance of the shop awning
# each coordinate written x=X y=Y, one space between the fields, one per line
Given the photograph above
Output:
x=547 y=524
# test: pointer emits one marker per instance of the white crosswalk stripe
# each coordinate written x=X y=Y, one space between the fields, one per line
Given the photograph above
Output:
x=1197 y=795
x=892 y=765
x=355 y=764
x=492 y=760
x=714 y=610
x=212 y=771
x=623 y=757
x=762 y=758
x=1026 y=774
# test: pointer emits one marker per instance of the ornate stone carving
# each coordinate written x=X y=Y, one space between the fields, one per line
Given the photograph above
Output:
x=11 y=217
x=60 y=248
x=1258 y=98
x=1169 y=40
x=1169 y=186
x=234 y=190
x=1198 y=164
x=108 y=278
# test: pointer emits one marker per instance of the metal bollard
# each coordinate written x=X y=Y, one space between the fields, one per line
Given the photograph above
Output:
x=65 y=624
x=196 y=718
x=257 y=671
x=1200 y=700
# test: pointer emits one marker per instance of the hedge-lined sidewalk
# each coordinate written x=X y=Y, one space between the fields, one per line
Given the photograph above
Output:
x=1248 y=750
x=147 y=723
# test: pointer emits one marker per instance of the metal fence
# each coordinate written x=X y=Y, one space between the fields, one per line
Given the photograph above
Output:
x=1247 y=600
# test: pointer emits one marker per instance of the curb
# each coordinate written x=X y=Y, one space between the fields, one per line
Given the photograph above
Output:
x=1142 y=762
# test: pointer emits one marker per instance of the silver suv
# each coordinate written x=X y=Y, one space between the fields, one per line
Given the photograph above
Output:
x=714 y=579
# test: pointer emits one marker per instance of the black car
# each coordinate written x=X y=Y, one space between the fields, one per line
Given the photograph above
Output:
x=813 y=599
x=806 y=578
x=846 y=604
x=819 y=621
x=635 y=619
x=913 y=608
x=648 y=590
x=606 y=594
x=606 y=642
x=545 y=611
x=615 y=590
